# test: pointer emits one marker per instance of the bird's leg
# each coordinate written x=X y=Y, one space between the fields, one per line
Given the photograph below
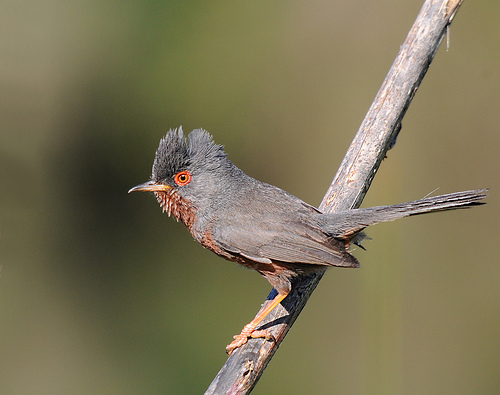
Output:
x=249 y=329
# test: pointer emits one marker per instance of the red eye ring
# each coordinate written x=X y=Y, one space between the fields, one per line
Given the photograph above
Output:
x=182 y=178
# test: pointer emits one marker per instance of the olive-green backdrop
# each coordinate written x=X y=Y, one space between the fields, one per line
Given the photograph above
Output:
x=102 y=294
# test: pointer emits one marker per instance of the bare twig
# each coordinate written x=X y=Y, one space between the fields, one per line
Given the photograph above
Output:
x=376 y=135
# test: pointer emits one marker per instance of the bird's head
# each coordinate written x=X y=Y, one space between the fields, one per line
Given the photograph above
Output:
x=186 y=172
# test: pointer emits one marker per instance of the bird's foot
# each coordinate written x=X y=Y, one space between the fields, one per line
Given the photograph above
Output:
x=243 y=337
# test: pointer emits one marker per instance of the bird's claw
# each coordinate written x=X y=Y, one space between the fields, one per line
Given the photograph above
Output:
x=243 y=337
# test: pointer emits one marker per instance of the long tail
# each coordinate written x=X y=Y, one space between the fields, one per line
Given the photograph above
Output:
x=346 y=224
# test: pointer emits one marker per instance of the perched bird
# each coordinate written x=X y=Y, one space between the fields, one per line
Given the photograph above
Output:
x=259 y=225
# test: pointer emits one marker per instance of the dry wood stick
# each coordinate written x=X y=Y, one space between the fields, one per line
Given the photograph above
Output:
x=376 y=135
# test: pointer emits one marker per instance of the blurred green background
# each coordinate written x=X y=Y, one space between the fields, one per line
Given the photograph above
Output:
x=102 y=294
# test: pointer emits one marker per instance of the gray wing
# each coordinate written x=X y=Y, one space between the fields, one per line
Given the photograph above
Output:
x=273 y=236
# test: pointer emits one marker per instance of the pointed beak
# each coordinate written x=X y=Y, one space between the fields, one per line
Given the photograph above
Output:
x=150 y=186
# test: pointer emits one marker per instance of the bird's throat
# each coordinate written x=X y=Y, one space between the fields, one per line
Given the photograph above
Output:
x=177 y=207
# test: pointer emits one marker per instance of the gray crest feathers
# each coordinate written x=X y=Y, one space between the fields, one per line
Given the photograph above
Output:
x=175 y=153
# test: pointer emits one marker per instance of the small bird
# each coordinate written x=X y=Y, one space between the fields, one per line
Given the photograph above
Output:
x=259 y=225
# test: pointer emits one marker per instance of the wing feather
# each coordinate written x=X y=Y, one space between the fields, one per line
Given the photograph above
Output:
x=257 y=228
x=305 y=245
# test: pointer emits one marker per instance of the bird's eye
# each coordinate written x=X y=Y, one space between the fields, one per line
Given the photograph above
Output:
x=182 y=178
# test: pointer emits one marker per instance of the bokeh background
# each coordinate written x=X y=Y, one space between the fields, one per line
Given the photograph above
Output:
x=102 y=294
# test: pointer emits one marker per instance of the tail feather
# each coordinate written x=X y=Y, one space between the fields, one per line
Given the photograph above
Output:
x=346 y=224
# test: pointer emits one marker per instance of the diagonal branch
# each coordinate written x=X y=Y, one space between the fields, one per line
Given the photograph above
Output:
x=377 y=134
